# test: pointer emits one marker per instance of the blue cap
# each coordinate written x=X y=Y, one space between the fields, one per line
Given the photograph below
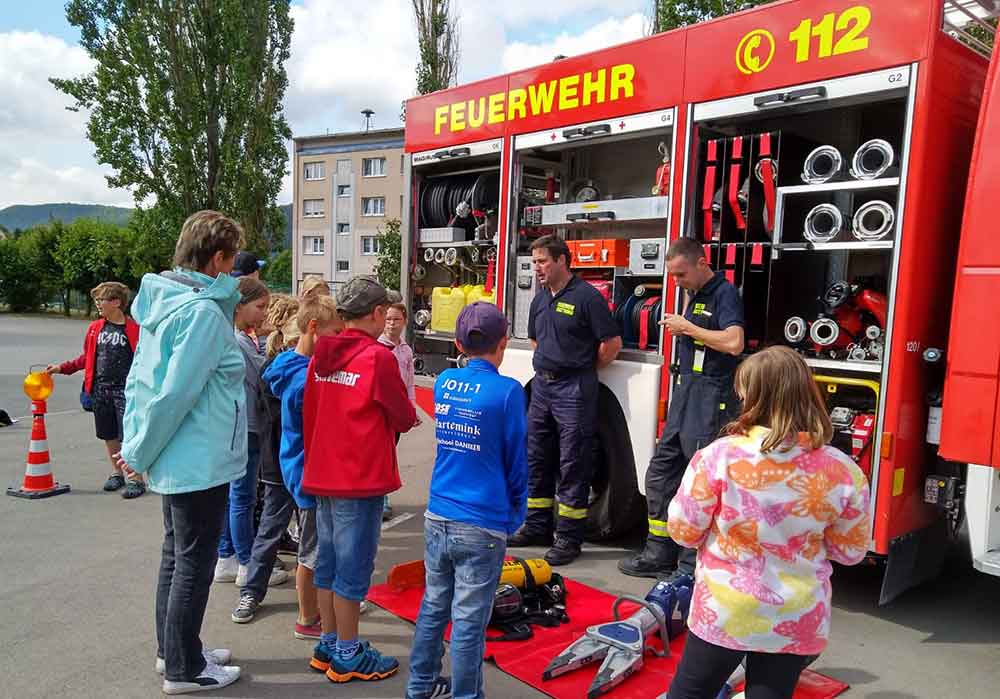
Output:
x=480 y=326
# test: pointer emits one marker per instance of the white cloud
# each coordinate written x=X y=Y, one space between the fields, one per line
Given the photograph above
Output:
x=517 y=55
x=29 y=181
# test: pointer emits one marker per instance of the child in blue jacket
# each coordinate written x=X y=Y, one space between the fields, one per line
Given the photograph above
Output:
x=478 y=498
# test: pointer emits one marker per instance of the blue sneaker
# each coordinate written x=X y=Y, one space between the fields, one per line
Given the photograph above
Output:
x=367 y=664
x=320 y=660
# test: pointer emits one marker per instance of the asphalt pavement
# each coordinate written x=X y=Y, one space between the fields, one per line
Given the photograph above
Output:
x=79 y=571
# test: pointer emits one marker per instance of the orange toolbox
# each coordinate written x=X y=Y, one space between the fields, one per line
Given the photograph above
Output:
x=607 y=252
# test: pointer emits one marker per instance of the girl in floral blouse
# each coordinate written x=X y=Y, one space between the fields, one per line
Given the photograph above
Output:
x=768 y=507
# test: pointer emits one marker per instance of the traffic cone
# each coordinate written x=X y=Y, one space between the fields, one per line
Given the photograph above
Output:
x=38 y=480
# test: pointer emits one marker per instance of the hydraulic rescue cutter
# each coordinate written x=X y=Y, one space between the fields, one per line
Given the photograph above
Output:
x=621 y=644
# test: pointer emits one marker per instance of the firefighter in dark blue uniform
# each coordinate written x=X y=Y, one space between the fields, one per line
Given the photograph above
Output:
x=574 y=335
x=709 y=340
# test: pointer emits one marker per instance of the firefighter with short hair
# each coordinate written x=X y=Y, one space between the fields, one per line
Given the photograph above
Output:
x=710 y=336
x=573 y=335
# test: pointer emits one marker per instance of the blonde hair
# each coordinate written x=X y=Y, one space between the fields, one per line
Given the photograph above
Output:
x=322 y=309
x=280 y=311
x=313 y=285
x=203 y=234
x=778 y=392
x=111 y=290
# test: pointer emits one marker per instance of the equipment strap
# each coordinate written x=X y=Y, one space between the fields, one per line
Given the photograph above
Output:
x=734 y=182
x=706 y=200
x=767 y=173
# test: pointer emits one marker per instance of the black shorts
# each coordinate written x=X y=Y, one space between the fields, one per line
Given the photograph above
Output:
x=109 y=412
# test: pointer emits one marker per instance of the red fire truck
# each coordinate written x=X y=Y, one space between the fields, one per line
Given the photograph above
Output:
x=819 y=150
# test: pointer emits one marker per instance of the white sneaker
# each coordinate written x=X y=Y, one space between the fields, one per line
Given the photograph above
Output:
x=218 y=656
x=226 y=569
x=212 y=677
x=277 y=576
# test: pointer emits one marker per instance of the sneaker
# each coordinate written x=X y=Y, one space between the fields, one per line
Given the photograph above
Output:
x=364 y=607
x=218 y=656
x=226 y=569
x=526 y=537
x=308 y=632
x=114 y=482
x=245 y=610
x=212 y=677
x=133 y=489
x=563 y=552
x=280 y=564
x=277 y=576
x=386 y=510
x=441 y=689
x=366 y=665
x=320 y=660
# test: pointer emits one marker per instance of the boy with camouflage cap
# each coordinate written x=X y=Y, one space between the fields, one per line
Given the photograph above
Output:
x=355 y=403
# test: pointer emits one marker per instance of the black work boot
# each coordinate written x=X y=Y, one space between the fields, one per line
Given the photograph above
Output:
x=563 y=552
x=527 y=536
x=657 y=559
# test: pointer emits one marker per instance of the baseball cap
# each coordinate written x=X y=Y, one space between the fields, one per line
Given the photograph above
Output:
x=359 y=297
x=246 y=263
x=480 y=326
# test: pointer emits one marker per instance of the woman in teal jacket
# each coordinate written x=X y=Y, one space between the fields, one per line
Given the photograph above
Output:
x=185 y=428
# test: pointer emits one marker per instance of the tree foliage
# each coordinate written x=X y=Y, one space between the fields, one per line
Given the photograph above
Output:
x=278 y=272
x=186 y=104
x=39 y=246
x=437 y=39
x=389 y=262
x=671 y=14
x=92 y=252
x=20 y=284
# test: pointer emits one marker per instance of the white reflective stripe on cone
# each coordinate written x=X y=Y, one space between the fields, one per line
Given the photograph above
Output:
x=38 y=469
x=37 y=446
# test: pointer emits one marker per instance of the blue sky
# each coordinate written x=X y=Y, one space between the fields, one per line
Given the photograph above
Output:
x=333 y=73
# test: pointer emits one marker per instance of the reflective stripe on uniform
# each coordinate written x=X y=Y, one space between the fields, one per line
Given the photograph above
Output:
x=572 y=512
x=658 y=527
x=541 y=503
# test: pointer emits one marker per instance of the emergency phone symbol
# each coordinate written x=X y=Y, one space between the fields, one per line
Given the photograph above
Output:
x=755 y=51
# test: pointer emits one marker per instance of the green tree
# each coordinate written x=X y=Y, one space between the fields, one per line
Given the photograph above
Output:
x=92 y=252
x=20 y=285
x=185 y=104
x=388 y=263
x=278 y=272
x=670 y=14
x=152 y=241
x=437 y=39
x=39 y=246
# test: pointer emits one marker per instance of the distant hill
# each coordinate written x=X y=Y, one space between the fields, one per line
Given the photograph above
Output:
x=27 y=215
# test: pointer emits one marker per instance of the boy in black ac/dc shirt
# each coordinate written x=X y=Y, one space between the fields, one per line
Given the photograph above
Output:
x=107 y=357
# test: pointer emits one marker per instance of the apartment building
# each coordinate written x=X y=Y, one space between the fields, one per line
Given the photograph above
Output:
x=345 y=187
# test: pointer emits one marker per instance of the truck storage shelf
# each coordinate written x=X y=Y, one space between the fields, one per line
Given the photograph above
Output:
x=434 y=335
x=457 y=244
x=842 y=186
x=631 y=209
x=850 y=245
x=844 y=365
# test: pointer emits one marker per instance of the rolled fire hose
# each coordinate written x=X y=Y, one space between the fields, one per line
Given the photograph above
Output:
x=439 y=256
x=419 y=272
x=822 y=165
x=873 y=221
x=429 y=255
x=422 y=318
x=823 y=223
x=824 y=331
x=872 y=159
x=641 y=290
x=795 y=329
x=451 y=257
x=474 y=255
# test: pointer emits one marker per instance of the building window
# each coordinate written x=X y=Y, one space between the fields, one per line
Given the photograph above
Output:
x=402 y=162
x=373 y=167
x=312 y=208
x=315 y=171
x=370 y=245
x=344 y=228
x=373 y=206
x=343 y=265
x=343 y=190
x=313 y=245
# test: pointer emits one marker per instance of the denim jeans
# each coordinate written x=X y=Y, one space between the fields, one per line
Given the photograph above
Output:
x=191 y=526
x=348 y=532
x=278 y=509
x=237 y=530
x=462 y=565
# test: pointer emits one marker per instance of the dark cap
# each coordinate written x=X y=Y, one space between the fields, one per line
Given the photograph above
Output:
x=359 y=297
x=480 y=326
x=246 y=263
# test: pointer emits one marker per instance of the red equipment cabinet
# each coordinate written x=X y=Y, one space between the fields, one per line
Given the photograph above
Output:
x=763 y=85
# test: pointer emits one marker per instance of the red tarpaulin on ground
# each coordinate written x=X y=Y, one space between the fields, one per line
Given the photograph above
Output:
x=586 y=606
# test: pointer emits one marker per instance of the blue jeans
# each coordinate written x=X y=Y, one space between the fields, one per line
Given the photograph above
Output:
x=347 y=532
x=462 y=565
x=237 y=529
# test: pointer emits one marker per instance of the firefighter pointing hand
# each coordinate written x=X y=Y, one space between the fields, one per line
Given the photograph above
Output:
x=709 y=339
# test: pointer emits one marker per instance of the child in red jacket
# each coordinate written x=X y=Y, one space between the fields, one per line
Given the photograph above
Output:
x=355 y=403
x=108 y=348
